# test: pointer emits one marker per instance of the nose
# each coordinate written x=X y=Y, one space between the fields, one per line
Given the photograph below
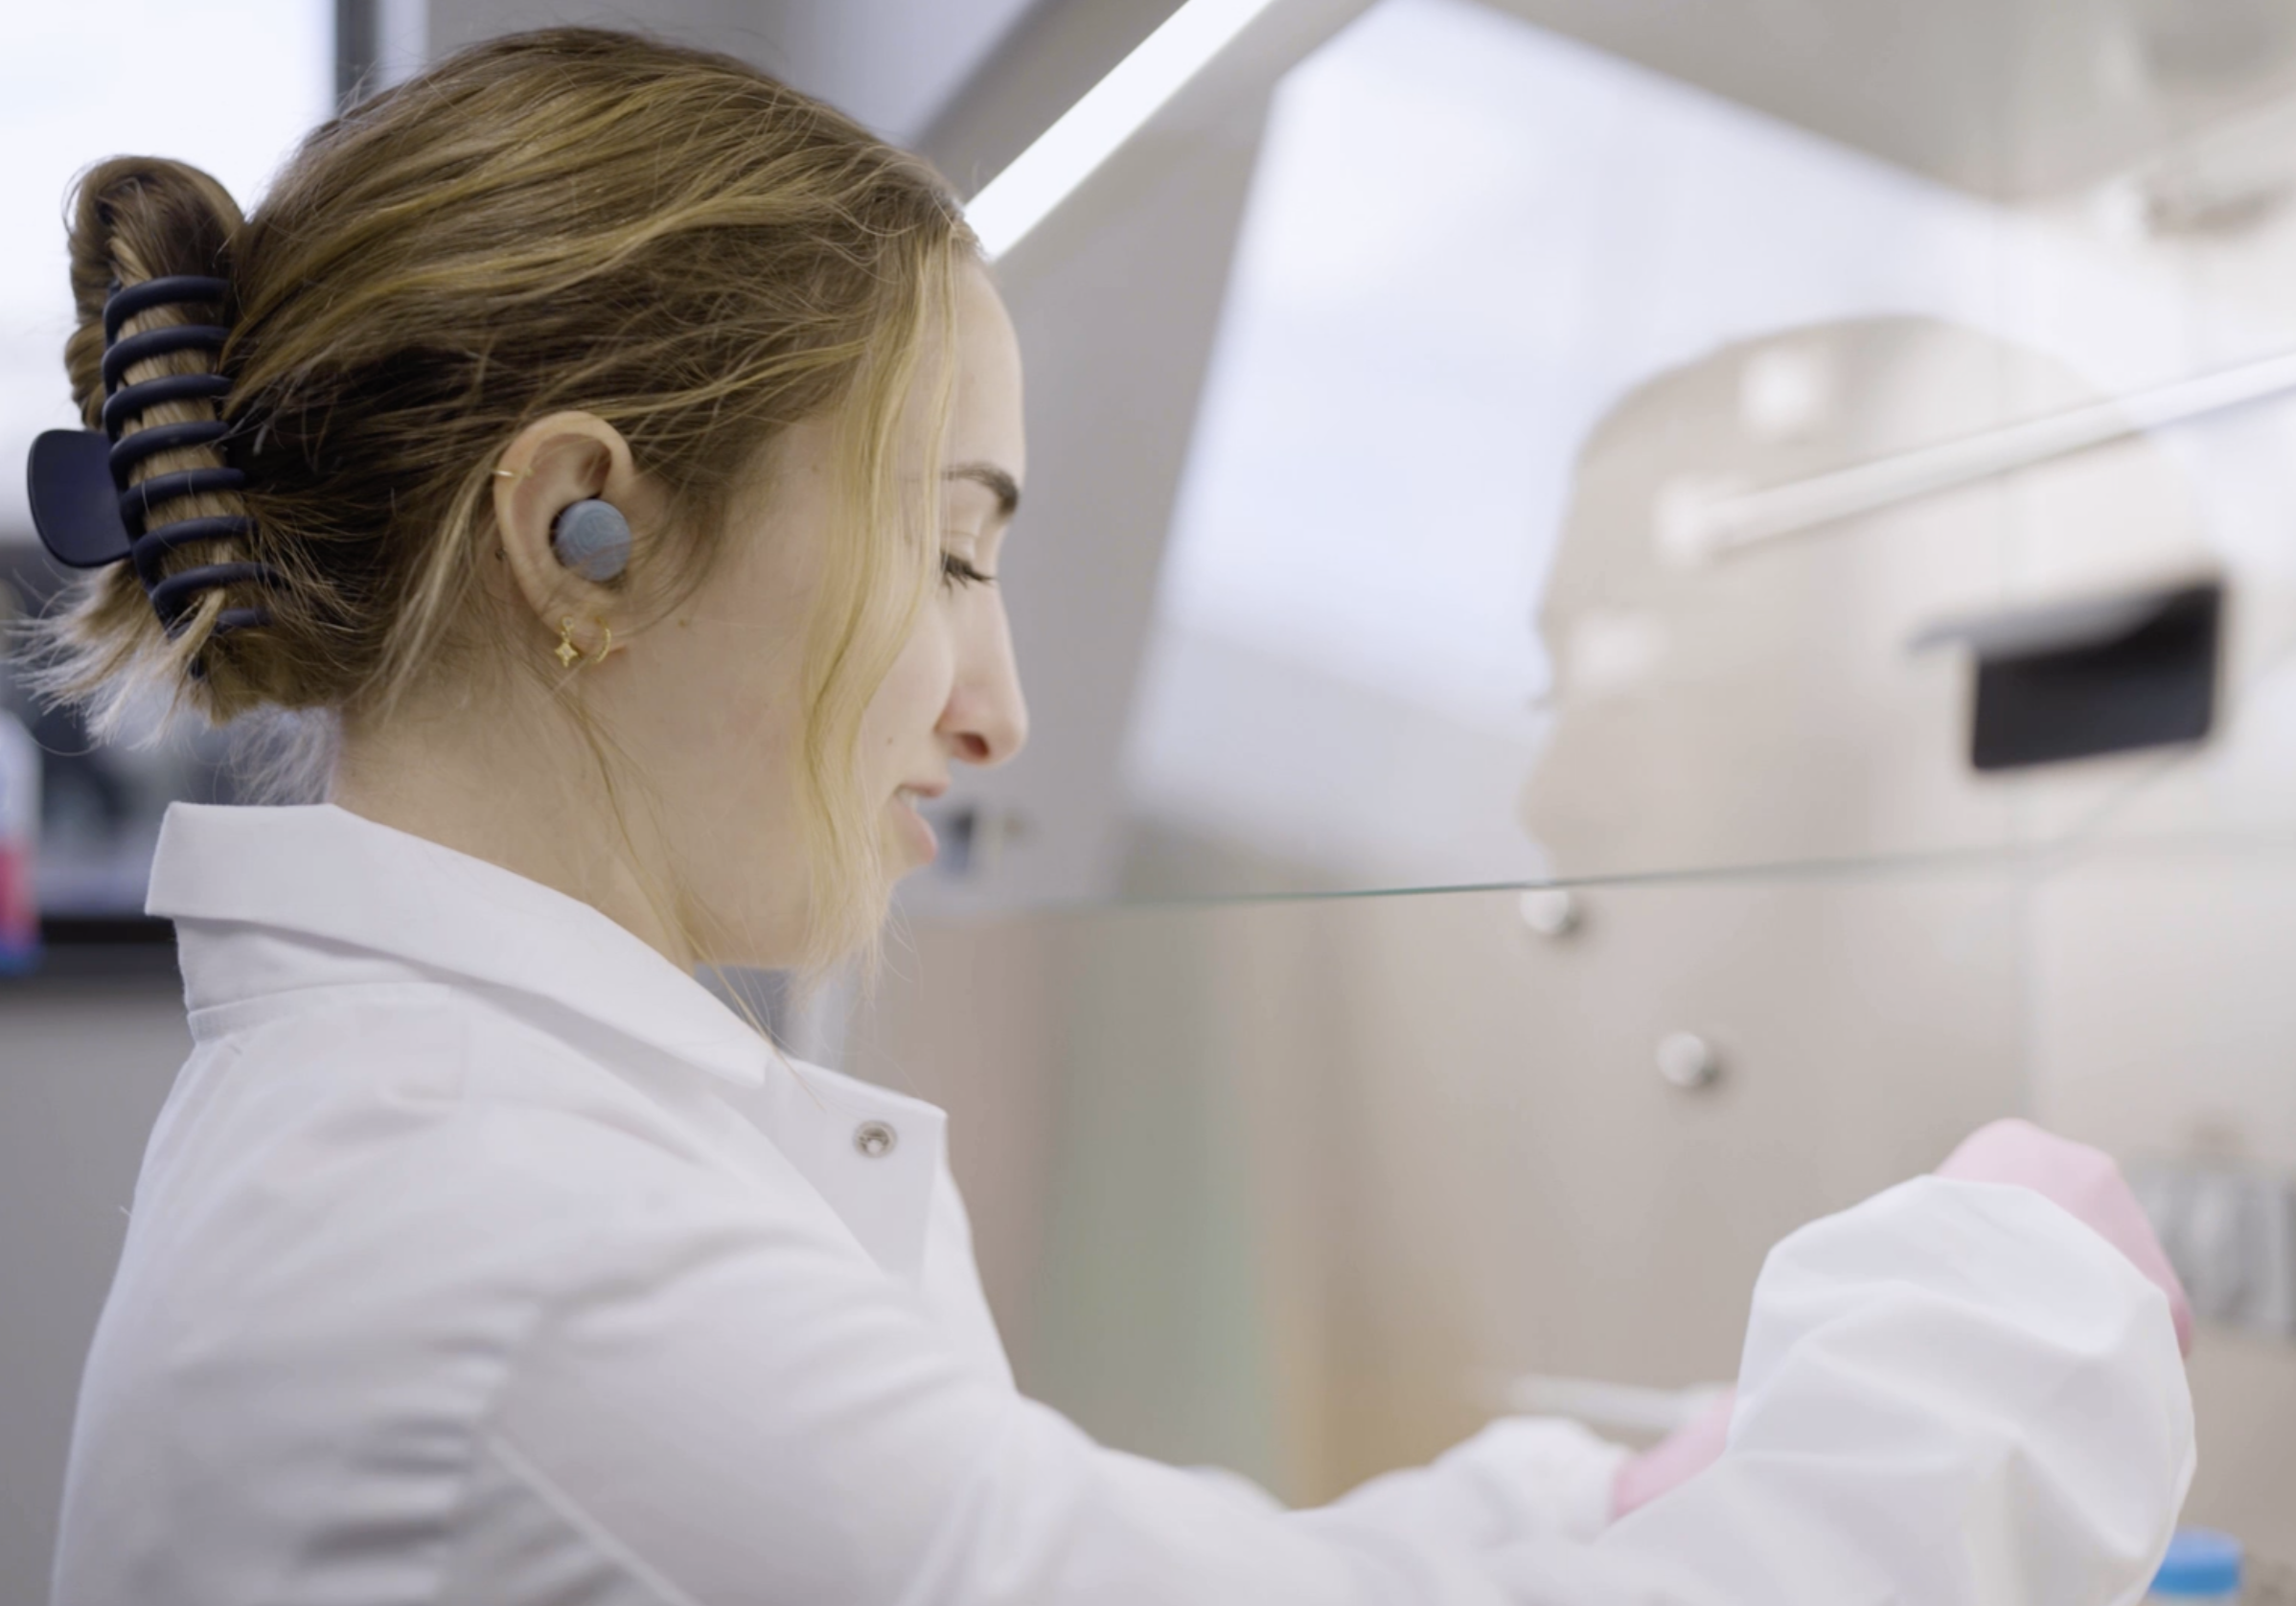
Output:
x=986 y=718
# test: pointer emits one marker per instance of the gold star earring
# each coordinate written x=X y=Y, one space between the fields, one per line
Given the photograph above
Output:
x=568 y=655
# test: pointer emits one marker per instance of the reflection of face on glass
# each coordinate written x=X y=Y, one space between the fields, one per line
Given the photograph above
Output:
x=1764 y=704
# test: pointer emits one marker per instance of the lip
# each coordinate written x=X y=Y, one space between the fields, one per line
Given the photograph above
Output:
x=923 y=841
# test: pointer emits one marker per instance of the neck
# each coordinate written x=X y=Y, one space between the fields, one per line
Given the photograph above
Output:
x=518 y=789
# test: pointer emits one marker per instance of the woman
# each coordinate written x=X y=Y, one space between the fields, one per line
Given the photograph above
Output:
x=613 y=450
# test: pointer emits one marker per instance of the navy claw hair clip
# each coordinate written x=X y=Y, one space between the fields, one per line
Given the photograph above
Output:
x=88 y=513
x=75 y=507
x=174 y=290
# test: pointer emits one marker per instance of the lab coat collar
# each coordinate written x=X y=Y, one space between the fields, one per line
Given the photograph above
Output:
x=322 y=872
x=325 y=872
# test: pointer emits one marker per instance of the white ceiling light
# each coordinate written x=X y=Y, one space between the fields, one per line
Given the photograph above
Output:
x=1065 y=155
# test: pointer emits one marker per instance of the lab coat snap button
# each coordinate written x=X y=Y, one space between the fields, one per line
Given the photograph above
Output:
x=875 y=1139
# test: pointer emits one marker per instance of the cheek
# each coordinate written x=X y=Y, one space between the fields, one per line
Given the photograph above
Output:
x=709 y=712
x=908 y=706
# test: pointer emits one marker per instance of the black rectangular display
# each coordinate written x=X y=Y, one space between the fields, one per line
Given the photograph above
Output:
x=2151 y=684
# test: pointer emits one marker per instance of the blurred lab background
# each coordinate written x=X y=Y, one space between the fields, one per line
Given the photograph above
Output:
x=1636 y=615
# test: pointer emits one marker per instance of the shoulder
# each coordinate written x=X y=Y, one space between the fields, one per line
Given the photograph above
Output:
x=428 y=1143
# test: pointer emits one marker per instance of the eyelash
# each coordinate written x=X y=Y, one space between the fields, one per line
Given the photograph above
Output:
x=959 y=571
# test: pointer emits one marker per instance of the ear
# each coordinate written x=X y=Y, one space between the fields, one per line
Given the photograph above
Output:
x=549 y=467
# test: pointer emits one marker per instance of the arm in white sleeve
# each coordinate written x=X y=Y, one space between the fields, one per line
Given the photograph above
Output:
x=1521 y=1478
x=1955 y=1393
x=1952 y=1395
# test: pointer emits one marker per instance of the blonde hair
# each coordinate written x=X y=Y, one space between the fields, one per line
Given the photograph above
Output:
x=565 y=219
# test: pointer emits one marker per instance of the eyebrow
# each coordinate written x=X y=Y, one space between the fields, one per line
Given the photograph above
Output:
x=1000 y=485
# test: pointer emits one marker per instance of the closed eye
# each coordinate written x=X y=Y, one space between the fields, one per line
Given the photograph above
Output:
x=957 y=570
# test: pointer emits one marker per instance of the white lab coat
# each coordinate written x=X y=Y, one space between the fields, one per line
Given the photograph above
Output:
x=459 y=1271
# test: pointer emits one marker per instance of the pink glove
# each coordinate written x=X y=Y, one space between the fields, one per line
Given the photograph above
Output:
x=2086 y=1183
x=1688 y=1450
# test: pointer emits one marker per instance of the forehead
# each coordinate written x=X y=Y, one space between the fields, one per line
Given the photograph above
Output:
x=985 y=421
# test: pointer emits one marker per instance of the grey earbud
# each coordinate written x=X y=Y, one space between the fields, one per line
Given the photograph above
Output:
x=593 y=539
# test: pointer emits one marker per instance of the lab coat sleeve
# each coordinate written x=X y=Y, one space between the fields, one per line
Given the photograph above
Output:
x=1956 y=1392
x=1521 y=1478
x=1952 y=1395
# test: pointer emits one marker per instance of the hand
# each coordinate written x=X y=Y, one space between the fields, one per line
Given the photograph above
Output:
x=2085 y=1183
x=1689 y=1450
